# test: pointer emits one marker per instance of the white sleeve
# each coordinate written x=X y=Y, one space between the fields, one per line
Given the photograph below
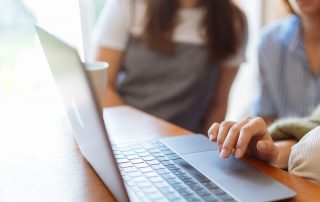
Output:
x=112 y=28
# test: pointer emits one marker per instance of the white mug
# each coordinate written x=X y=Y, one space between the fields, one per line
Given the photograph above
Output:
x=97 y=72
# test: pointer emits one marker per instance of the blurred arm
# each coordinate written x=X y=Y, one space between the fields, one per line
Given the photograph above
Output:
x=218 y=108
x=114 y=59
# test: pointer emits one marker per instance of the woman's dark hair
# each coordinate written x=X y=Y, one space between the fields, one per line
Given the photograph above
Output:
x=224 y=26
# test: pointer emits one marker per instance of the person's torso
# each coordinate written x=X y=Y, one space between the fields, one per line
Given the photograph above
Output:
x=294 y=89
x=176 y=87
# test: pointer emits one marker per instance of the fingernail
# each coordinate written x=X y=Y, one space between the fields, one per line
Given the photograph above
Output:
x=238 y=153
x=211 y=137
x=224 y=154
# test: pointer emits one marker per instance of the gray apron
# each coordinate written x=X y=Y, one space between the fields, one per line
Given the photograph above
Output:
x=178 y=88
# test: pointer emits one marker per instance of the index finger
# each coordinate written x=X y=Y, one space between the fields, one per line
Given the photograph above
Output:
x=213 y=131
x=255 y=127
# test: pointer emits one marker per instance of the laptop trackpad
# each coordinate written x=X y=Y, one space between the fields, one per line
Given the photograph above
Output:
x=189 y=144
x=237 y=178
x=210 y=163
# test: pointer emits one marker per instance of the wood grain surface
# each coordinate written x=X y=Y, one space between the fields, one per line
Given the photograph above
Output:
x=40 y=161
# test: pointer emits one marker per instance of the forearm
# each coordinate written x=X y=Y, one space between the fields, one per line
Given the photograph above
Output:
x=114 y=59
x=217 y=113
x=283 y=149
x=218 y=108
x=112 y=98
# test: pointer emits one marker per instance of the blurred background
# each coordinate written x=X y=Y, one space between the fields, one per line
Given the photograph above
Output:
x=24 y=74
x=26 y=86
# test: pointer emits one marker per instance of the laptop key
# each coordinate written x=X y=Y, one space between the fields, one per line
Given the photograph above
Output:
x=173 y=181
x=191 y=170
x=144 y=184
x=167 y=163
x=140 y=150
x=163 y=171
x=148 y=158
x=155 y=196
x=144 y=154
x=177 y=172
x=186 y=192
x=203 y=193
x=161 y=184
x=119 y=156
x=116 y=152
x=167 y=152
x=210 y=198
x=193 y=198
x=147 y=145
x=141 y=165
x=173 y=167
x=154 y=150
x=150 y=190
x=157 y=155
x=174 y=156
x=173 y=196
x=135 y=146
x=127 y=153
x=135 y=161
x=157 y=167
x=168 y=176
x=125 y=165
x=124 y=149
x=163 y=158
x=151 y=174
x=167 y=190
x=146 y=170
x=210 y=185
x=153 y=162
x=156 y=179
x=131 y=157
x=124 y=160
x=225 y=197
x=134 y=174
x=218 y=191
x=140 y=194
x=129 y=169
x=140 y=179
x=196 y=187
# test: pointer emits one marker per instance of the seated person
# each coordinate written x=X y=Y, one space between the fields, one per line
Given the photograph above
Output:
x=291 y=144
x=289 y=64
x=175 y=59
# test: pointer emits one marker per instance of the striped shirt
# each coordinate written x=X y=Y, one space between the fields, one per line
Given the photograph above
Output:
x=304 y=160
x=287 y=86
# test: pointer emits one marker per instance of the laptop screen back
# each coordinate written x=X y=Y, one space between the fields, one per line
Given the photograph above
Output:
x=82 y=110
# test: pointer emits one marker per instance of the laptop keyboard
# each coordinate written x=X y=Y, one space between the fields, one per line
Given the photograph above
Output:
x=156 y=173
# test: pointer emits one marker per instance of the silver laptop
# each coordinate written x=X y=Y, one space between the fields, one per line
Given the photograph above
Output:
x=182 y=168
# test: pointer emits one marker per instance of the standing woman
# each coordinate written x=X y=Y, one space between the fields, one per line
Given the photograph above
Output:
x=289 y=63
x=175 y=59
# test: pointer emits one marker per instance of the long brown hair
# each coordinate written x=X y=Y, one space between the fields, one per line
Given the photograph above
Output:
x=224 y=27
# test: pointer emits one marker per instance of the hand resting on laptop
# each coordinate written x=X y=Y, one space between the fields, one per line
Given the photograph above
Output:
x=251 y=136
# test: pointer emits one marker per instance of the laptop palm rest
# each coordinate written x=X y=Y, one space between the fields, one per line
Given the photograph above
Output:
x=237 y=178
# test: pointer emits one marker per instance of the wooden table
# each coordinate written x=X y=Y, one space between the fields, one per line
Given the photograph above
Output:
x=40 y=161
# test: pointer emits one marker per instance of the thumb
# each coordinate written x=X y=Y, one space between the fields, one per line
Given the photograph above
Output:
x=266 y=147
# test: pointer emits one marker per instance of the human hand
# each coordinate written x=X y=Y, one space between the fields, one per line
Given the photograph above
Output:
x=249 y=135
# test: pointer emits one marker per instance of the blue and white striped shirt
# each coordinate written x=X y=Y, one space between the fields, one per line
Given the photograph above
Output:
x=288 y=88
